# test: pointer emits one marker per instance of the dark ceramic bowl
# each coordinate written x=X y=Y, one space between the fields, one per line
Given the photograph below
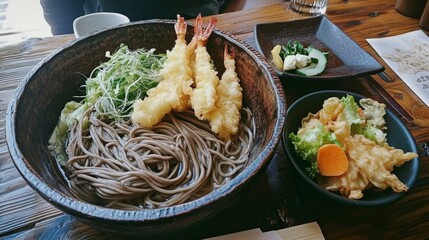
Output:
x=34 y=111
x=398 y=136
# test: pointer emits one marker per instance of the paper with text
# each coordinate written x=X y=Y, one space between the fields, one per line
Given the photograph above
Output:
x=402 y=50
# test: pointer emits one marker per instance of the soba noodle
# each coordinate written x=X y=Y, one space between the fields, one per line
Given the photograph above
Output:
x=120 y=165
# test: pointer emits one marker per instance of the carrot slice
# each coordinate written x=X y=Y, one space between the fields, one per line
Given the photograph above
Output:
x=361 y=113
x=332 y=160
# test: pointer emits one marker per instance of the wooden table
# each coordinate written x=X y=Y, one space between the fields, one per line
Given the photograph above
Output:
x=275 y=199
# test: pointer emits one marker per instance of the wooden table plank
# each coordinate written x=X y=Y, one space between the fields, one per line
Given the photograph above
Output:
x=276 y=199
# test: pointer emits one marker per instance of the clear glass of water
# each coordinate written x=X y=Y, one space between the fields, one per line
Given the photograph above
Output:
x=309 y=7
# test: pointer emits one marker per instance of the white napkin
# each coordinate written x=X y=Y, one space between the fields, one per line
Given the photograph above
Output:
x=308 y=231
x=387 y=47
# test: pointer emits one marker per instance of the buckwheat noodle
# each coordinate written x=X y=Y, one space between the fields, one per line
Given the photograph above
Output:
x=123 y=166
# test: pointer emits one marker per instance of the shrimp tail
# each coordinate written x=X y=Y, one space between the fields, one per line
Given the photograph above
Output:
x=180 y=27
x=227 y=54
x=203 y=35
x=198 y=26
x=229 y=59
x=210 y=27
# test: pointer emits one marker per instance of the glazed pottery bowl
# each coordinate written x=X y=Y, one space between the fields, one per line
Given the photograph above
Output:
x=398 y=136
x=34 y=111
x=346 y=60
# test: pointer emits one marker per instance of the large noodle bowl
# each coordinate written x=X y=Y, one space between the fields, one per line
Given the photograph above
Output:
x=155 y=130
x=57 y=79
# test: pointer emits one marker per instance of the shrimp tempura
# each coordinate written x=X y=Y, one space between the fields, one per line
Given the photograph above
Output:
x=225 y=118
x=173 y=92
x=203 y=97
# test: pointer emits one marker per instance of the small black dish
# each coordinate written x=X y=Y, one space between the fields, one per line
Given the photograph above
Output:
x=346 y=59
x=398 y=136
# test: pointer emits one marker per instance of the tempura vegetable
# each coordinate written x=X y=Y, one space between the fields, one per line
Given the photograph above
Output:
x=360 y=131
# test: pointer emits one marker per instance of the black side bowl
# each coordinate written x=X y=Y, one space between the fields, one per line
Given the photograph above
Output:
x=398 y=136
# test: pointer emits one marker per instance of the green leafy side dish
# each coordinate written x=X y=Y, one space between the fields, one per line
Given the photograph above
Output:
x=295 y=58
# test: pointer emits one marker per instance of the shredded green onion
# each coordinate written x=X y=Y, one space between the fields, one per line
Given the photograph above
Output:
x=112 y=88
x=115 y=85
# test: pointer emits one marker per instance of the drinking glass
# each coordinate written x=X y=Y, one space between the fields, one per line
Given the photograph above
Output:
x=309 y=7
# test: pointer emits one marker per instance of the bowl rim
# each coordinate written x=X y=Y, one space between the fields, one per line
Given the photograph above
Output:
x=91 y=211
x=336 y=197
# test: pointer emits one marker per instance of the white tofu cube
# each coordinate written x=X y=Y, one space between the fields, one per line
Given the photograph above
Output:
x=289 y=63
x=302 y=60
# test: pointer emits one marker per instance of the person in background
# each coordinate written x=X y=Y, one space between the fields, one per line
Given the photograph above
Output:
x=60 y=14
